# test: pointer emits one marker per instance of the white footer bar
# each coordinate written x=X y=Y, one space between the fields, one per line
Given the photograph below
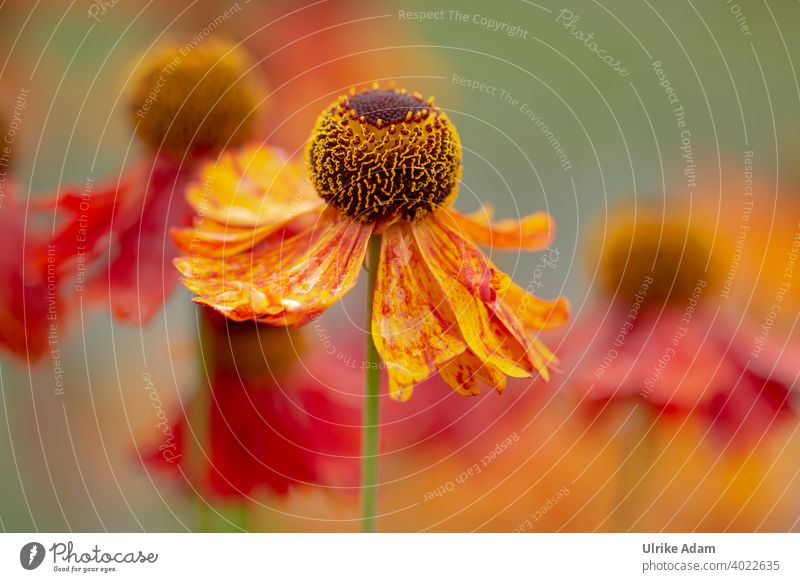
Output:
x=406 y=557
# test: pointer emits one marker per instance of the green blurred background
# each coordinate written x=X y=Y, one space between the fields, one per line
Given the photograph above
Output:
x=70 y=462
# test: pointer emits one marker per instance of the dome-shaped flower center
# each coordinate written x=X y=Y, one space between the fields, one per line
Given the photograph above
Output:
x=198 y=98
x=648 y=260
x=383 y=153
x=384 y=105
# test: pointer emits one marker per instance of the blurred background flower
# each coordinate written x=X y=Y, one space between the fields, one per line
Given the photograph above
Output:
x=187 y=103
x=699 y=119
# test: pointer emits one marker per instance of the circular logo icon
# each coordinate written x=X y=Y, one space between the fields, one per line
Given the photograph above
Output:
x=31 y=555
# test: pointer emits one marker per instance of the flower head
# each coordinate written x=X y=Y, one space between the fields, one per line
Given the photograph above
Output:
x=670 y=255
x=383 y=153
x=440 y=305
x=200 y=98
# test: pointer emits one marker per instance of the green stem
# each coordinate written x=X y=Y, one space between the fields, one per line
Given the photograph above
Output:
x=370 y=436
x=198 y=438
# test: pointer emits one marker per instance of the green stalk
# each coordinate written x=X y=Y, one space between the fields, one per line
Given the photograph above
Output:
x=197 y=438
x=370 y=436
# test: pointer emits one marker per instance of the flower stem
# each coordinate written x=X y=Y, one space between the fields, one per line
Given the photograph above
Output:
x=370 y=436
x=198 y=441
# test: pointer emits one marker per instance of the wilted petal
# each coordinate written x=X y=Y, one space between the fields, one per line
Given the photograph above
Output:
x=212 y=239
x=413 y=325
x=257 y=186
x=535 y=313
x=463 y=372
x=491 y=326
x=287 y=283
x=531 y=233
x=456 y=273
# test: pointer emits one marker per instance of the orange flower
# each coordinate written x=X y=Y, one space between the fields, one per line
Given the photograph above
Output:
x=263 y=428
x=384 y=162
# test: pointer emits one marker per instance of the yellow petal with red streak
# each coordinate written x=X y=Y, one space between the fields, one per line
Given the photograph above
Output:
x=413 y=325
x=535 y=313
x=463 y=372
x=444 y=254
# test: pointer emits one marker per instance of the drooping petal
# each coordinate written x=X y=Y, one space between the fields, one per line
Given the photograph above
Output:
x=508 y=303
x=455 y=273
x=463 y=372
x=286 y=283
x=413 y=325
x=535 y=313
x=257 y=186
x=531 y=233
x=495 y=332
x=244 y=198
x=212 y=239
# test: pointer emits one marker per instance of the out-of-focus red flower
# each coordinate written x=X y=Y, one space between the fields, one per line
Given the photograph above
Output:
x=277 y=424
x=28 y=291
x=703 y=368
x=120 y=234
x=662 y=339
x=335 y=359
x=187 y=105
x=257 y=430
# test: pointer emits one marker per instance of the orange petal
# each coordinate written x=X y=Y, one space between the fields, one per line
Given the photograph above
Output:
x=501 y=330
x=532 y=233
x=444 y=254
x=244 y=198
x=463 y=372
x=256 y=186
x=505 y=324
x=213 y=239
x=535 y=313
x=413 y=326
x=286 y=283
